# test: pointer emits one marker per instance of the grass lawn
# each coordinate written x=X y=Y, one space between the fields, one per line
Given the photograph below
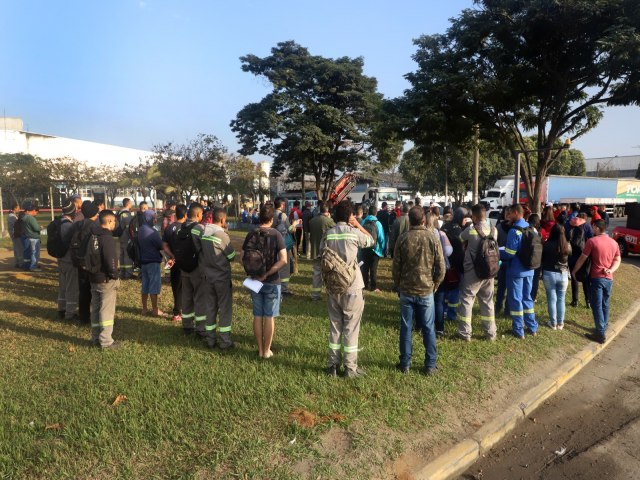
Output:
x=195 y=413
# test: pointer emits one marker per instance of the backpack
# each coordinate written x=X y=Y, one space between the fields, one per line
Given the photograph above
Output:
x=133 y=250
x=134 y=226
x=486 y=262
x=78 y=245
x=530 y=251
x=56 y=246
x=337 y=275
x=577 y=241
x=92 y=258
x=371 y=227
x=119 y=230
x=18 y=228
x=254 y=258
x=184 y=250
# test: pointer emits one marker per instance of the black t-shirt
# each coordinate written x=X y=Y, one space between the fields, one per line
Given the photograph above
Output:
x=168 y=235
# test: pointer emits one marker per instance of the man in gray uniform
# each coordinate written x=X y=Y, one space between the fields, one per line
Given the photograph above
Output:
x=216 y=255
x=318 y=226
x=124 y=219
x=67 y=273
x=193 y=308
x=345 y=310
x=473 y=286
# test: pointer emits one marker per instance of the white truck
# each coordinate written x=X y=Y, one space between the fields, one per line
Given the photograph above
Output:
x=377 y=195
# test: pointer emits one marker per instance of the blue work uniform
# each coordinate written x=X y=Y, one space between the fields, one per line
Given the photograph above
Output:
x=519 y=283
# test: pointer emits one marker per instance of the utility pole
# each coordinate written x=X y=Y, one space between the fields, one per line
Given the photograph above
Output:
x=476 y=165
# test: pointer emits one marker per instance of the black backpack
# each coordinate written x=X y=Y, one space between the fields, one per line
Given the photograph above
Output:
x=530 y=251
x=92 y=258
x=119 y=230
x=56 y=246
x=255 y=253
x=78 y=245
x=577 y=241
x=18 y=227
x=371 y=227
x=184 y=250
x=486 y=262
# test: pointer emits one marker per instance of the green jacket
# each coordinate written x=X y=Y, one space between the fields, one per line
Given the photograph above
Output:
x=318 y=226
x=418 y=263
x=31 y=227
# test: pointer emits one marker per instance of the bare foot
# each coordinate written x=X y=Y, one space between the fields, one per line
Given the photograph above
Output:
x=158 y=313
x=269 y=354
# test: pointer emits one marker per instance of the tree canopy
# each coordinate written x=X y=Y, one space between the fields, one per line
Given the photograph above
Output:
x=516 y=68
x=322 y=115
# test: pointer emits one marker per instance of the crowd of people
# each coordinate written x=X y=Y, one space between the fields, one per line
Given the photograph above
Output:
x=442 y=261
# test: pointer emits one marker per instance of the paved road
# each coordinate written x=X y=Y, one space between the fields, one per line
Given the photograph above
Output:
x=590 y=429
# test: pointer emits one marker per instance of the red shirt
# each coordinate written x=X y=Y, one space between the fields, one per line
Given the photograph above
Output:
x=603 y=250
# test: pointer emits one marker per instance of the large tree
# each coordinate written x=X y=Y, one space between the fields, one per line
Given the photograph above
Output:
x=196 y=167
x=322 y=115
x=516 y=68
x=23 y=176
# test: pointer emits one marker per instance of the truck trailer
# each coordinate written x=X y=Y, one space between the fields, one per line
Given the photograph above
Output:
x=612 y=193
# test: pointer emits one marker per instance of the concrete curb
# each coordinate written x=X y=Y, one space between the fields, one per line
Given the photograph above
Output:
x=465 y=453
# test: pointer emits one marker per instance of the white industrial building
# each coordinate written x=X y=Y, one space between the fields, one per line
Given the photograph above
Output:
x=613 y=167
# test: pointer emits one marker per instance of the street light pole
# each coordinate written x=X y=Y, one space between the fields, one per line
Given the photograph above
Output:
x=476 y=165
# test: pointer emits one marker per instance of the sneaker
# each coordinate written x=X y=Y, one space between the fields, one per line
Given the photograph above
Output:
x=439 y=334
x=357 y=373
x=574 y=303
x=596 y=337
x=552 y=326
x=176 y=318
x=402 y=368
x=430 y=371
x=332 y=371
x=560 y=326
x=464 y=339
x=114 y=346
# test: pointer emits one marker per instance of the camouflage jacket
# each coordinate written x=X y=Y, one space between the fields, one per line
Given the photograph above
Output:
x=418 y=262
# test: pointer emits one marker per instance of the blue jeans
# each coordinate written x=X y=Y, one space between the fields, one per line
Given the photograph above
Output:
x=599 y=298
x=32 y=260
x=424 y=311
x=452 y=297
x=555 y=284
x=439 y=299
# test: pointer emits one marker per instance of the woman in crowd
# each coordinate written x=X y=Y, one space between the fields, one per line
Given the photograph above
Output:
x=555 y=266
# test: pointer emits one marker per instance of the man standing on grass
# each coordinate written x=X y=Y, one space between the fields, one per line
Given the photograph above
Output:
x=318 y=226
x=473 y=286
x=266 y=302
x=519 y=277
x=32 y=235
x=67 y=273
x=345 y=310
x=168 y=246
x=604 y=253
x=124 y=218
x=216 y=255
x=150 y=245
x=418 y=269
x=286 y=229
x=193 y=308
x=82 y=230
x=104 y=284
x=371 y=256
x=18 y=248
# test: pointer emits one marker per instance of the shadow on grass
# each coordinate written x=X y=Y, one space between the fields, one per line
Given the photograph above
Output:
x=42 y=332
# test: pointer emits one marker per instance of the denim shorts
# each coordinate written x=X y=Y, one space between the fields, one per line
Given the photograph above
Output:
x=266 y=303
x=151 y=283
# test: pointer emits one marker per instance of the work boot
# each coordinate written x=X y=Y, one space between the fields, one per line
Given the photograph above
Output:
x=402 y=368
x=430 y=371
x=357 y=373
x=332 y=371
x=114 y=346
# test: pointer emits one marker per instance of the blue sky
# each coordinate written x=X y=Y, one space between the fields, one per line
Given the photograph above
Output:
x=137 y=73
